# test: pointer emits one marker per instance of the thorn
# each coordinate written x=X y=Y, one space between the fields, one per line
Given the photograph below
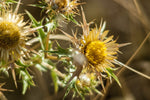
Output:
x=13 y=73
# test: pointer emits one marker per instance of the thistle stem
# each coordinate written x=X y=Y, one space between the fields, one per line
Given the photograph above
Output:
x=47 y=43
x=120 y=63
x=134 y=54
x=55 y=70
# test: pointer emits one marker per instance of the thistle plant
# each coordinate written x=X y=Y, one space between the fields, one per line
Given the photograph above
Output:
x=14 y=33
x=89 y=63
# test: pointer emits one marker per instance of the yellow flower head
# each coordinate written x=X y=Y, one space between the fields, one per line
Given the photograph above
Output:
x=101 y=51
x=13 y=35
x=62 y=6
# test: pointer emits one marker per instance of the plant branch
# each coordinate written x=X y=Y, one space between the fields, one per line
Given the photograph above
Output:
x=55 y=70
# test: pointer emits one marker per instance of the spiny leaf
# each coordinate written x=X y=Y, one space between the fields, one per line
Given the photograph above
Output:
x=70 y=17
x=38 y=5
x=70 y=86
x=51 y=25
x=40 y=31
x=21 y=64
x=25 y=86
x=110 y=72
x=54 y=78
x=97 y=91
x=11 y=1
x=60 y=51
x=26 y=80
x=42 y=4
x=80 y=94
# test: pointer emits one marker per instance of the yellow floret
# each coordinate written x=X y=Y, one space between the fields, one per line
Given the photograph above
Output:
x=96 y=52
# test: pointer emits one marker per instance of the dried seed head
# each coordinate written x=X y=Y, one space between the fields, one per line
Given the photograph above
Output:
x=13 y=36
x=62 y=6
x=9 y=35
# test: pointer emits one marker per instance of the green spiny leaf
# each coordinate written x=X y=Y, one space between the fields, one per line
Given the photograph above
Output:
x=11 y=1
x=25 y=86
x=26 y=79
x=54 y=78
x=80 y=94
x=60 y=51
x=21 y=64
x=51 y=25
x=110 y=72
x=40 y=31
x=70 y=86
x=70 y=17
x=38 y=5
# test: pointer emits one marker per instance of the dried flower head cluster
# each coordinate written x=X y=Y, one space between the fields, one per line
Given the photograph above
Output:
x=62 y=6
x=13 y=35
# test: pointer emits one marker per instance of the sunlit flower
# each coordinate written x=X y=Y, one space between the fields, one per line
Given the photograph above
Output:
x=99 y=49
x=13 y=35
x=62 y=6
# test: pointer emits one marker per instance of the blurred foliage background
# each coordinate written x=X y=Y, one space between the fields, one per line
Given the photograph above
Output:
x=127 y=20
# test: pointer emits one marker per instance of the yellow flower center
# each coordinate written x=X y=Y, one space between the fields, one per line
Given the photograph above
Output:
x=9 y=35
x=96 y=52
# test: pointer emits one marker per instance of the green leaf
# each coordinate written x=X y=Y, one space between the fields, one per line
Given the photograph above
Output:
x=70 y=17
x=51 y=25
x=21 y=64
x=25 y=86
x=80 y=94
x=60 y=51
x=42 y=4
x=38 y=5
x=54 y=78
x=110 y=72
x=70 y=86
x=41 y=32
x=11 y=1
x=26 y=80
x=97 y=91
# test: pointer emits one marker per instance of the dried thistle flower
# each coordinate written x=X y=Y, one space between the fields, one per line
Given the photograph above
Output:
x=101 y=51
x=62 y=6
x=13 y=35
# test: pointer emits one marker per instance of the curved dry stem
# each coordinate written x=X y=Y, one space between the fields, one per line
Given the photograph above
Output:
x=134 y=54
x=130 y=68
x=55 y=70
x=59 y=37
